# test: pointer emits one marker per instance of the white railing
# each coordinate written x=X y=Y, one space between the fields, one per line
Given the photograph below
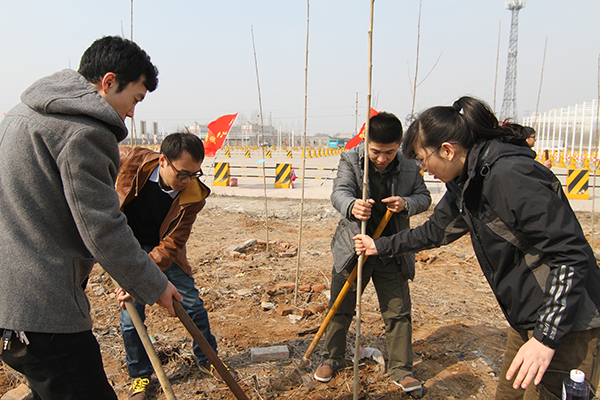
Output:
x=569 y=136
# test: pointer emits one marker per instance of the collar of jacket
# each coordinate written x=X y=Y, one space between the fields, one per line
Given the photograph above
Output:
x=194 y=192
x=361 y=156
x=483 y=155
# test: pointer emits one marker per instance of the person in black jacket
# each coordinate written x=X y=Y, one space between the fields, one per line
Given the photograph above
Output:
x=527 y=239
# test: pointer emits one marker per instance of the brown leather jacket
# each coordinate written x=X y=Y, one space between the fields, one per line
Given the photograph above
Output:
x=137 y=164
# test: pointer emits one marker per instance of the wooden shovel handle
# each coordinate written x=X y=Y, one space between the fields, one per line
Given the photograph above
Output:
x=154 y=360
x=208 y=351
x=341 y=296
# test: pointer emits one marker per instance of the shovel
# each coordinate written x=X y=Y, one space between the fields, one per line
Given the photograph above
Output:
x=208 y=351
x=301 y=369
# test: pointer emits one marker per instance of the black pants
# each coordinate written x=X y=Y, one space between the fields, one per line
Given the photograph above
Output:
x=66 y=366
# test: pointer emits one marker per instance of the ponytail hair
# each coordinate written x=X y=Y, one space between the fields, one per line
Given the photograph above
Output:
x=468 y=121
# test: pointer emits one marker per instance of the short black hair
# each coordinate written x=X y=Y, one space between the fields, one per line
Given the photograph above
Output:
x=122 y=57
x=174 y=144
x=527 y=132
x=385 y=128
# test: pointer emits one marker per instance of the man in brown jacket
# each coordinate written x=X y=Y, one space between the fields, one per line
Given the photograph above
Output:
x=161 y=195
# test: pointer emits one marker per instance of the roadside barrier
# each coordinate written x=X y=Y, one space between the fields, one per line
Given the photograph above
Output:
x=221 y=177
x=283 y=175
x=578 y=184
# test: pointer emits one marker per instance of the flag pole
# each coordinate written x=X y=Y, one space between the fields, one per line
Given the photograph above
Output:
x=363 y=227
x=304 y=158
x=263 y=139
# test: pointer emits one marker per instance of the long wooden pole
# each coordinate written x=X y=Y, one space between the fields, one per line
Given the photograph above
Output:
x=208 y=351
x=537 y=105
x=148 y=347
x=497 y=63
x=414 y=99
x=363 y=227
x=263 y=140
x=154 y=360
x=304 y=158
x=595 y=167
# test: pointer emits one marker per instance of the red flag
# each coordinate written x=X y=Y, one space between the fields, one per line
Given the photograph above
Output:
x=217 y=131
x=361 y=135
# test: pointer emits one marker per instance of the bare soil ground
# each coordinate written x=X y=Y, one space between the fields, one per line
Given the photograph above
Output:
x=458 y=329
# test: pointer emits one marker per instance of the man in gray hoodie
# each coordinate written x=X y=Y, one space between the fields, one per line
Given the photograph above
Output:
x=59 y=212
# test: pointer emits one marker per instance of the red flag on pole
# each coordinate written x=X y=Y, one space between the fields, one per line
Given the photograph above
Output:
x=361 y=135
x=217 y=131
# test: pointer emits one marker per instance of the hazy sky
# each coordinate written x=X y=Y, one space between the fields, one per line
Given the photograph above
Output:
x=203 y=50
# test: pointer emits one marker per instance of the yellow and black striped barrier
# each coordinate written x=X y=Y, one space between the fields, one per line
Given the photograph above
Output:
x=578 y=184
x=221 y=177
x=283 y=175
x=227 y=153
x=247 y=154
x=289 y=154
x=268 y=154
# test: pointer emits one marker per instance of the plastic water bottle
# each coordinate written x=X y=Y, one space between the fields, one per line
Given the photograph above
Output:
x=575 y=387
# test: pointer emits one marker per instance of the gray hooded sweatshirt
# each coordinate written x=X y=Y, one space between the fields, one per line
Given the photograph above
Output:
x=59 y=212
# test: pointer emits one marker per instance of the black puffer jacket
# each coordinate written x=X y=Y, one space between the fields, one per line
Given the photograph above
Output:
x=527 y=239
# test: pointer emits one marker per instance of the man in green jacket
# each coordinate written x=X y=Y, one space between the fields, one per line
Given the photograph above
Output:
x=395 y=184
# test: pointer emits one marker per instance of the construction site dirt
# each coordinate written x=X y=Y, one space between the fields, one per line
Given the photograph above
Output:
x=459 y=331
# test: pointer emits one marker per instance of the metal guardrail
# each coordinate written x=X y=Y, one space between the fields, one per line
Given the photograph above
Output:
x=210 y=173
x=560 y=175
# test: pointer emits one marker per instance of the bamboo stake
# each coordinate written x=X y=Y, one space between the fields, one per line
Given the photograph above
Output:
x=412 y=110
x=416 y=84
x=263 y=140
x=363 y=227
x=537 y=105
x=497 y=62
x=595 y=168
x=132 y=120
x=304 y=158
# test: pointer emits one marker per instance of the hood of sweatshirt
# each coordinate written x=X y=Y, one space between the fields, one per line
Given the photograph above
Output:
x=68 y=92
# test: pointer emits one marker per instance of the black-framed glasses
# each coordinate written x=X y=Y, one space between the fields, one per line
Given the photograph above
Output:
x=181 y=175
x=421 y=163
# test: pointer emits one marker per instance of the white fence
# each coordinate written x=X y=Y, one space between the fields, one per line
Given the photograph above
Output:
x=568 y=135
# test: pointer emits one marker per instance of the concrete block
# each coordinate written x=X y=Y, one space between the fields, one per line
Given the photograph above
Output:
x=273 y=353
x=241 y=247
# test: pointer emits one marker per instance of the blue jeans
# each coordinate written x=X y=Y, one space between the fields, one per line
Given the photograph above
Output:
x=138 y=363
